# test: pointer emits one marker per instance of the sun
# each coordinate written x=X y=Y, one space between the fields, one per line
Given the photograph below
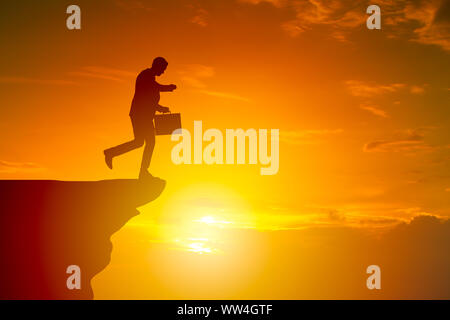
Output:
x=212 y=220
x=196 y=216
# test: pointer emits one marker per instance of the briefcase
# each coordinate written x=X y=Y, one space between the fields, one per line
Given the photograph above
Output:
x=167 y=123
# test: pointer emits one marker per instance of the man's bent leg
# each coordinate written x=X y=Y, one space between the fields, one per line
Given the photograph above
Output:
x=137 y=142
x=125 y=147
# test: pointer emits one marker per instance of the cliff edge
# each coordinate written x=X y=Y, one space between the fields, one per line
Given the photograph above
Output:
x=46 y=226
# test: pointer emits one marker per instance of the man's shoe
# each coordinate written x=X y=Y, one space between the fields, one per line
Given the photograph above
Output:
x=108 y=159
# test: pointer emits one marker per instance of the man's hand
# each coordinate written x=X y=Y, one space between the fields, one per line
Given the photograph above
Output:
x=172 y=87
x=163 y=109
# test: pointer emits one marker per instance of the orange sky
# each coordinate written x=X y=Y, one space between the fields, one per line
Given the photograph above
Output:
x=363 y=118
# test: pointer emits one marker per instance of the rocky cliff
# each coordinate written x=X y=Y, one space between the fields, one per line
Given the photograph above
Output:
x=46 y=226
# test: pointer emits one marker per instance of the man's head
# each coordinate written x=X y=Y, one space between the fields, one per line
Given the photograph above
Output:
x=159 y=65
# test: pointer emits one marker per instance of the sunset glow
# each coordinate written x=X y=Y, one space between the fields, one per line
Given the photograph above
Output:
x=364 y=140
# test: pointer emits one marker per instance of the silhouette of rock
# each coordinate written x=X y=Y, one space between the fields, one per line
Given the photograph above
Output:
x=45 y=226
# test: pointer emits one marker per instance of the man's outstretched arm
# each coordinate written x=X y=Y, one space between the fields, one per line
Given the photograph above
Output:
x=165 y=88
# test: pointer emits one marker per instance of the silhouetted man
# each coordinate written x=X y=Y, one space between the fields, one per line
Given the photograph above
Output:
x=143 y=108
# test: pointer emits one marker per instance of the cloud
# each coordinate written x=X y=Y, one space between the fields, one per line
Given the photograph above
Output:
x=374 y=110
x=395 y=146
x=93 y=75
x=336 y=215
x=354 y=215
x=367 y=212
x=417 y=89
x=443 y=13
x=200 y=18
x=413 y=252
x=276 y=3
x=224 y=95
x=103 y=73
x=423 y=21
x=362 y=89
x=195 y=75
x=110 y=71
x=193 y=82
x=339 y=36
x=292 y=28
x=26 y=80
x=368 y=90
x=307 y=136
x=408 y=141
x=434 y=29
x=13 y=167
x=88 y=72
x=339 y=15
x=198 y=70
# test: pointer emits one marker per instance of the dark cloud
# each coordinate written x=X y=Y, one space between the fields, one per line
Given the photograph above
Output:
x=443 y=13
x=330 y=263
